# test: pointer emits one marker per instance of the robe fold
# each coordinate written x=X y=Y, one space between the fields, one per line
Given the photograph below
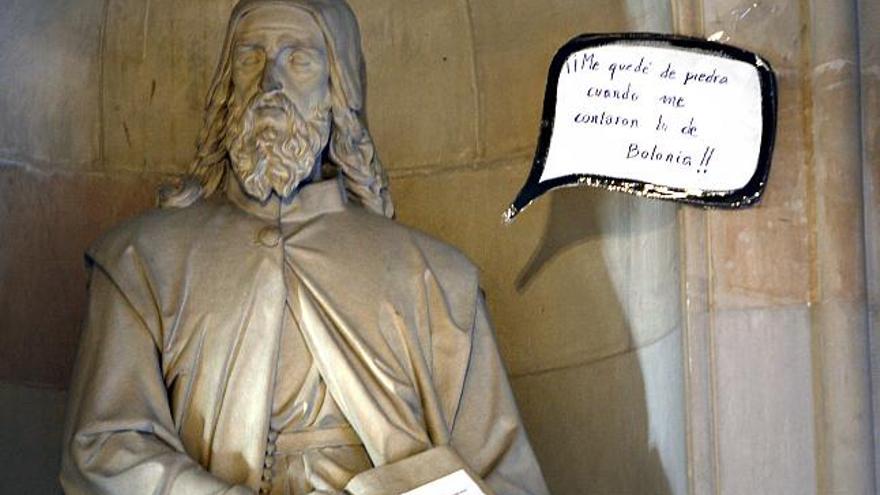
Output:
x=173 y=387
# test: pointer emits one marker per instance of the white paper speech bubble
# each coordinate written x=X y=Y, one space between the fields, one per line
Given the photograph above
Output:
x=659 y=116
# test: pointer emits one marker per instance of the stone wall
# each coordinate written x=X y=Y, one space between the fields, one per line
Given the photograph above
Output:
x=753 y=378
x=869 y=69
x=779 y=297
x=102 y=101
x=583 y=288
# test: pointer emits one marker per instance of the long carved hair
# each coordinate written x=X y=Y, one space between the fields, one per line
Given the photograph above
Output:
x=350 y=149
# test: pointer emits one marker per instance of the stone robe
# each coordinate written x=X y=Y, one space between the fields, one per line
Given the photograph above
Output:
x=173 y=387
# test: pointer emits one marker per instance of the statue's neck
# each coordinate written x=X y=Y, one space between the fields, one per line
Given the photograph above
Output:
x=308 y=200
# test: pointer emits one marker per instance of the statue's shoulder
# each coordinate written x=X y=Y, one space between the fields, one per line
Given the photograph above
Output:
x=390 y=238
x=400 y=254
x=159 y=229
x=441 y=253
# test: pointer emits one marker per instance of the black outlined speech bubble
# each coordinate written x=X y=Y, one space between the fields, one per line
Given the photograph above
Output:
x=659 y=116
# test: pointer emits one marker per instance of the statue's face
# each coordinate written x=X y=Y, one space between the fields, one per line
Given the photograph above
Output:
x=279 y=120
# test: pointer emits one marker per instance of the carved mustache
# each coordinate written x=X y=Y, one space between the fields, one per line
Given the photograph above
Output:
x=275 y=100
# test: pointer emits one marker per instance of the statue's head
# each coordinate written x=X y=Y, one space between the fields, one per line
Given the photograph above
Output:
x=279 y=112
x=286 y=104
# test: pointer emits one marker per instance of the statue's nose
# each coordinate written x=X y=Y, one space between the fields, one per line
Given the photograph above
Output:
x=270 y=80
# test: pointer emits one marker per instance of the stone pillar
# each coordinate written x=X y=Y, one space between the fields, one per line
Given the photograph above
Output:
x=699 y=405
x=776 y=341
x=869 y=58
x=839 y=312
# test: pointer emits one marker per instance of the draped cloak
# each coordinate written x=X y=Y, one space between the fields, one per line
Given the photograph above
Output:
x=173 y=387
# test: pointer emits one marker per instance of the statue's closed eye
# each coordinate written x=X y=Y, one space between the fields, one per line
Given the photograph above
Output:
x=301 y=59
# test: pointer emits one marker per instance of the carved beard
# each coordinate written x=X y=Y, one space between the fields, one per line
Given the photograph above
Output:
x=268 y=155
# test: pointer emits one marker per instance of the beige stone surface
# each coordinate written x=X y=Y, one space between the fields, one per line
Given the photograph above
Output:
x=421 y=99
x=786 y=347
x=159 y=56
x=515 y=41
x=698 y=354
x=843 y=400
x=869 y=55
x=840 y=321
x=617 y=427
x=764 y=391
x=46 y=223
x=838 y=169
x=760 y=257
x=50 y=80
x=573 y=279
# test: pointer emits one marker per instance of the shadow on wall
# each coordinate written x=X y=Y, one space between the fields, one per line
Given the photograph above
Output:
x=31 y=422
x=599 y=439
x=576 y=217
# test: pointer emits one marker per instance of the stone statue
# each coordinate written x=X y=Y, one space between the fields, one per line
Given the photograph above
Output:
x=271 y=329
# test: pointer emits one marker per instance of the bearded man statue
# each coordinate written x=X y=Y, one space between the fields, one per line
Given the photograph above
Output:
x=270 y=329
